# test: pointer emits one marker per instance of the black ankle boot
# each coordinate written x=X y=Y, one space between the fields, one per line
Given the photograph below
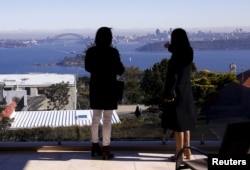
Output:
x=96 y=149
x=106 y=154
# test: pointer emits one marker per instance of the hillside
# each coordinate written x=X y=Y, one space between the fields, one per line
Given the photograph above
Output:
x=241 y=44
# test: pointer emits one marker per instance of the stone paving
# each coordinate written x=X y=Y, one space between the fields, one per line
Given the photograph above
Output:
x=129 y=155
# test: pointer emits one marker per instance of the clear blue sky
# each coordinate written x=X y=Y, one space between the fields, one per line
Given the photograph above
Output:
x=122 y=14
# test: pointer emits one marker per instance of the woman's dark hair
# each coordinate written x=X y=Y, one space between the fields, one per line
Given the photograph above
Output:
x=103 y=37
x=179 y=39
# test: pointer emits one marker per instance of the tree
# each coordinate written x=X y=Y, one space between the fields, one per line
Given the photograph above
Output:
x=83 y=92
x=132 y=78
x=206 y=84
x=152 y=83
x=206 y=87
x=58 y=95
x=5 y=122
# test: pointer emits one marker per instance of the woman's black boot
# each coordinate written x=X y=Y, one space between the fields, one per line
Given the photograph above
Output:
x=96 y=149
x=106 y=154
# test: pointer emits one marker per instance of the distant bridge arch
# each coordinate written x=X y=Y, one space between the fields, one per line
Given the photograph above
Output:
x=78 y=36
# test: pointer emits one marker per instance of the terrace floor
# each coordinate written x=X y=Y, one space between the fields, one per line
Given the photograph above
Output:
x=131 y=155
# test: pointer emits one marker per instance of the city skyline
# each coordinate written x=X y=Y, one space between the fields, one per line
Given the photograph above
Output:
x=46 y=15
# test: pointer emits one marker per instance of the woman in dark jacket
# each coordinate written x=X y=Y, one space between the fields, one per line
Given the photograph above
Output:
x=103 y=63
x=178 y=97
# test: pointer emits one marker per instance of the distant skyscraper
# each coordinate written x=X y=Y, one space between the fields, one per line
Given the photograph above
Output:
x=157 y=32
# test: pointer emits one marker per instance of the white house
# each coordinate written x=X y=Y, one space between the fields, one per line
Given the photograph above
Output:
x=34 y=84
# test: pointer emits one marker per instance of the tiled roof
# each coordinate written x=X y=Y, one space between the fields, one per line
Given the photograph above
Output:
x=55 y=118
x=9 y=109
x=247 y=82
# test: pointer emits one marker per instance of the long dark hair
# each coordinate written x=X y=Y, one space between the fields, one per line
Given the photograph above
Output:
x=180 y=44
x=103 y=37
x=179 y=40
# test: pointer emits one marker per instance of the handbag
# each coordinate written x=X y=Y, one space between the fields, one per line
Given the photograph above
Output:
x=119 y=85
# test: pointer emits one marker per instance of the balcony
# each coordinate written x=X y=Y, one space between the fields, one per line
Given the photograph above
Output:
x=128 y=154
x=143 y=154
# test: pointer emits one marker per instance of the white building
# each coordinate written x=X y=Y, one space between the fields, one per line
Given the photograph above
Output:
x=34 y=84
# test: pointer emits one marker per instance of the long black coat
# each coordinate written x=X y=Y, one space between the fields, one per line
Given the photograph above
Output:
x=104 y=65
x=180 y=114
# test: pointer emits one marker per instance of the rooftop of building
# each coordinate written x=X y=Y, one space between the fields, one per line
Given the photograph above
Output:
x=54 y=118
x=34 y=79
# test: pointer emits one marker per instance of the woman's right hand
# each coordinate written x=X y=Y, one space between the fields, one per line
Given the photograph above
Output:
x=166 y=45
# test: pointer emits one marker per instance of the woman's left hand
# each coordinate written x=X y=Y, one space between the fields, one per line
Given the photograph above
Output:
x=168 y=100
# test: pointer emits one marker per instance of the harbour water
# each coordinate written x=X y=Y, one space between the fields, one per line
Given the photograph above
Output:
x=25 y=60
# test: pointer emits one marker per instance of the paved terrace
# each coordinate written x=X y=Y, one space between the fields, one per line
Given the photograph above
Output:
x=129 y=155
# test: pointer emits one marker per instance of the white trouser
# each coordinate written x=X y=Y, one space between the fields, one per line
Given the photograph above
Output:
x=106 y=128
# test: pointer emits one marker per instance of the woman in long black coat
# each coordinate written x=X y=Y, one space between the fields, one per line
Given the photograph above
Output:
x=104 y=64
x=179 y=107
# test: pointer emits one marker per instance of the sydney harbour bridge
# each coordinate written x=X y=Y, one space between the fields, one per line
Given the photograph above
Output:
x=66 y=36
